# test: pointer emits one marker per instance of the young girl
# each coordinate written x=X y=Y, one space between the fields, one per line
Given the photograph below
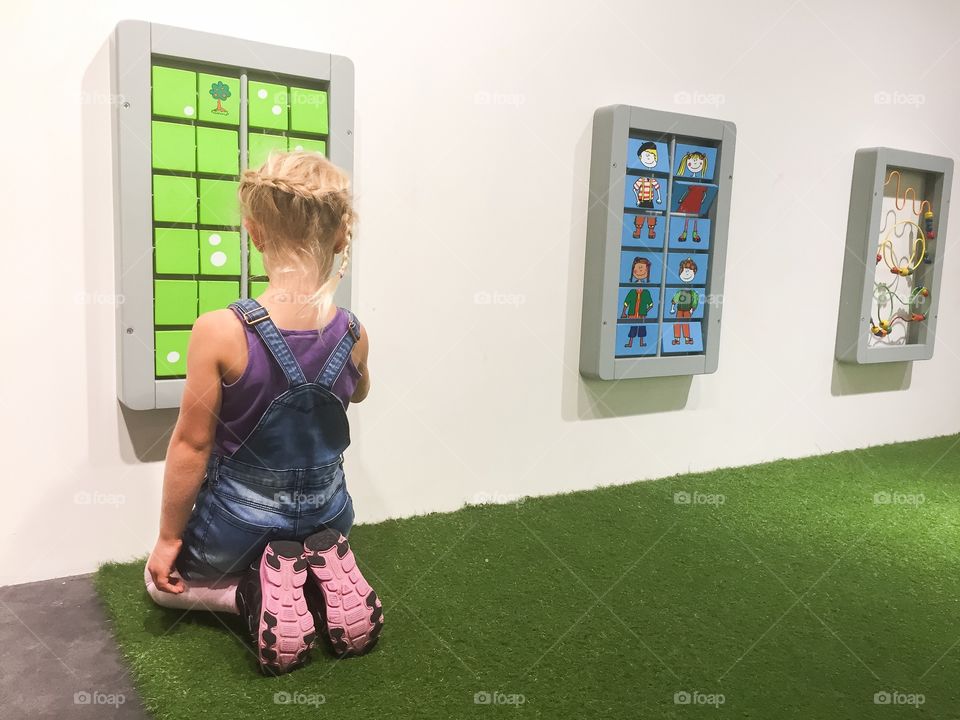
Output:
x=255 y=505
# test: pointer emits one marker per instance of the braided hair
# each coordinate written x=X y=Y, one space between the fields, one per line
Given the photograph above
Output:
x=301 y=203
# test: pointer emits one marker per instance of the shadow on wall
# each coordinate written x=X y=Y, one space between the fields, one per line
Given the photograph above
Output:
x=853 y=379
x=586 y=398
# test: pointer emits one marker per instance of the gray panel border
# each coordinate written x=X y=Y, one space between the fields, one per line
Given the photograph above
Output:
x=611 y=129
x=859 y=266
x=133 y=43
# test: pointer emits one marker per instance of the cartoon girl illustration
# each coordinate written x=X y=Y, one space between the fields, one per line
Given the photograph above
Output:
x=637 y=303
x=646 y=188
x=684 y=302
x=695 y=162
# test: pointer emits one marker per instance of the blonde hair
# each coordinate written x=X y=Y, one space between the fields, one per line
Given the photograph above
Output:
x=300 y=203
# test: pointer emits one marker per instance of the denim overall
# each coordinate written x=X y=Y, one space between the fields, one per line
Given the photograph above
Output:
x=286 y=480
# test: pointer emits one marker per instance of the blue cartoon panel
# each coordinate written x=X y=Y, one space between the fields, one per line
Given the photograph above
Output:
x=637 y=339
x=685 y=298
x=695 y=162
x=643 y=154
x=682 y=337
x=643 y=230
x=687 y=268
x=692 y=198
x=645 y=192
x=638 y=267
x=689 y=233
x=639 y=303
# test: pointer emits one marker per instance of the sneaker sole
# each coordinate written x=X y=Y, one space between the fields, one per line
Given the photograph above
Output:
x=352 y=611
x=286 y=631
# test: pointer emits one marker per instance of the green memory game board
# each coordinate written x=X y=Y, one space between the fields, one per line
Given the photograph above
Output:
x=196 y=110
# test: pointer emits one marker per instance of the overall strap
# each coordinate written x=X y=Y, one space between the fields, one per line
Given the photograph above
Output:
x=256 y=315
x=341 y=353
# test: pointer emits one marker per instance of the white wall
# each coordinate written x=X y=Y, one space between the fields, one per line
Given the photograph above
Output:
x=472 y=160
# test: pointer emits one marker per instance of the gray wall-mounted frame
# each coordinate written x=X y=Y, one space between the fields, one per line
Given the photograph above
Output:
x=866 y=218
x=132 y=48
x=612 y=129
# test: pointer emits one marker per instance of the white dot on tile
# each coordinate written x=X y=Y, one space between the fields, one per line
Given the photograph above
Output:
x=262 y=94
x=173 y=356
x=188 y=110
x=277 y=109
x=218 y=259
x=214 y=239
x=298 y=148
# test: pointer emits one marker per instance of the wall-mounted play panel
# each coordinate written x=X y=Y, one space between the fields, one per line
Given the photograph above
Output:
x=890 y=292
x=198 y=109
x=660 y=187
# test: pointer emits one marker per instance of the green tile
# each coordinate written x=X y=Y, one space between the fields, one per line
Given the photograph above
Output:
x=171 y=352
x=307 y=144
x=217 y=294
x=260 y=146
x=257 y=287
x=176 y=251
x=218 y=202
x=218 y=151
x=218 y=99
x=173 y=146
x=174 y=198
x=219 y=252
x=267 y=105
x=174 y=302
x=255 y=262
x=308 y=110
x=174 y=92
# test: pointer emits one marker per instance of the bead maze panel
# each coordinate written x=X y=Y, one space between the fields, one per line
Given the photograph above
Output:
x=657 y=224
x=197 y=110
x=892 y=270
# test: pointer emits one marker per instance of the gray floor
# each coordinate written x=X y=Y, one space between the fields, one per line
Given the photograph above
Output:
x=58 y=659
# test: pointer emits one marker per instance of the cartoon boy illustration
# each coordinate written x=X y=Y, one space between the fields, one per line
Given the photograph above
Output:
x=684 y=302
x=638 y=302
x=646 y=188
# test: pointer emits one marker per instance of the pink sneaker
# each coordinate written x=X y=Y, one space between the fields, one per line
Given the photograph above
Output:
x=270 y=598
x=344 y=603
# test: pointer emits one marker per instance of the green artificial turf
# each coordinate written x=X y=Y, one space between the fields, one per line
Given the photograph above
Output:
x=800 y=596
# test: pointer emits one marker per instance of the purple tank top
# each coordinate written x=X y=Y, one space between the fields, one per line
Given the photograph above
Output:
x=247 y=399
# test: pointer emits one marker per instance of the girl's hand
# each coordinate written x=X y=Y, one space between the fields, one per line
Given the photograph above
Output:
x=161 y=564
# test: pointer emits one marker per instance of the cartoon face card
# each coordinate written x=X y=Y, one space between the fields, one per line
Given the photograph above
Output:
x=640 y=268
x=692 y=198
x=648 y=155
x=687 y=269
x=637 y=339
x=689 y=233
x=646 y=231
x=695 y=162
x=682 y=337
